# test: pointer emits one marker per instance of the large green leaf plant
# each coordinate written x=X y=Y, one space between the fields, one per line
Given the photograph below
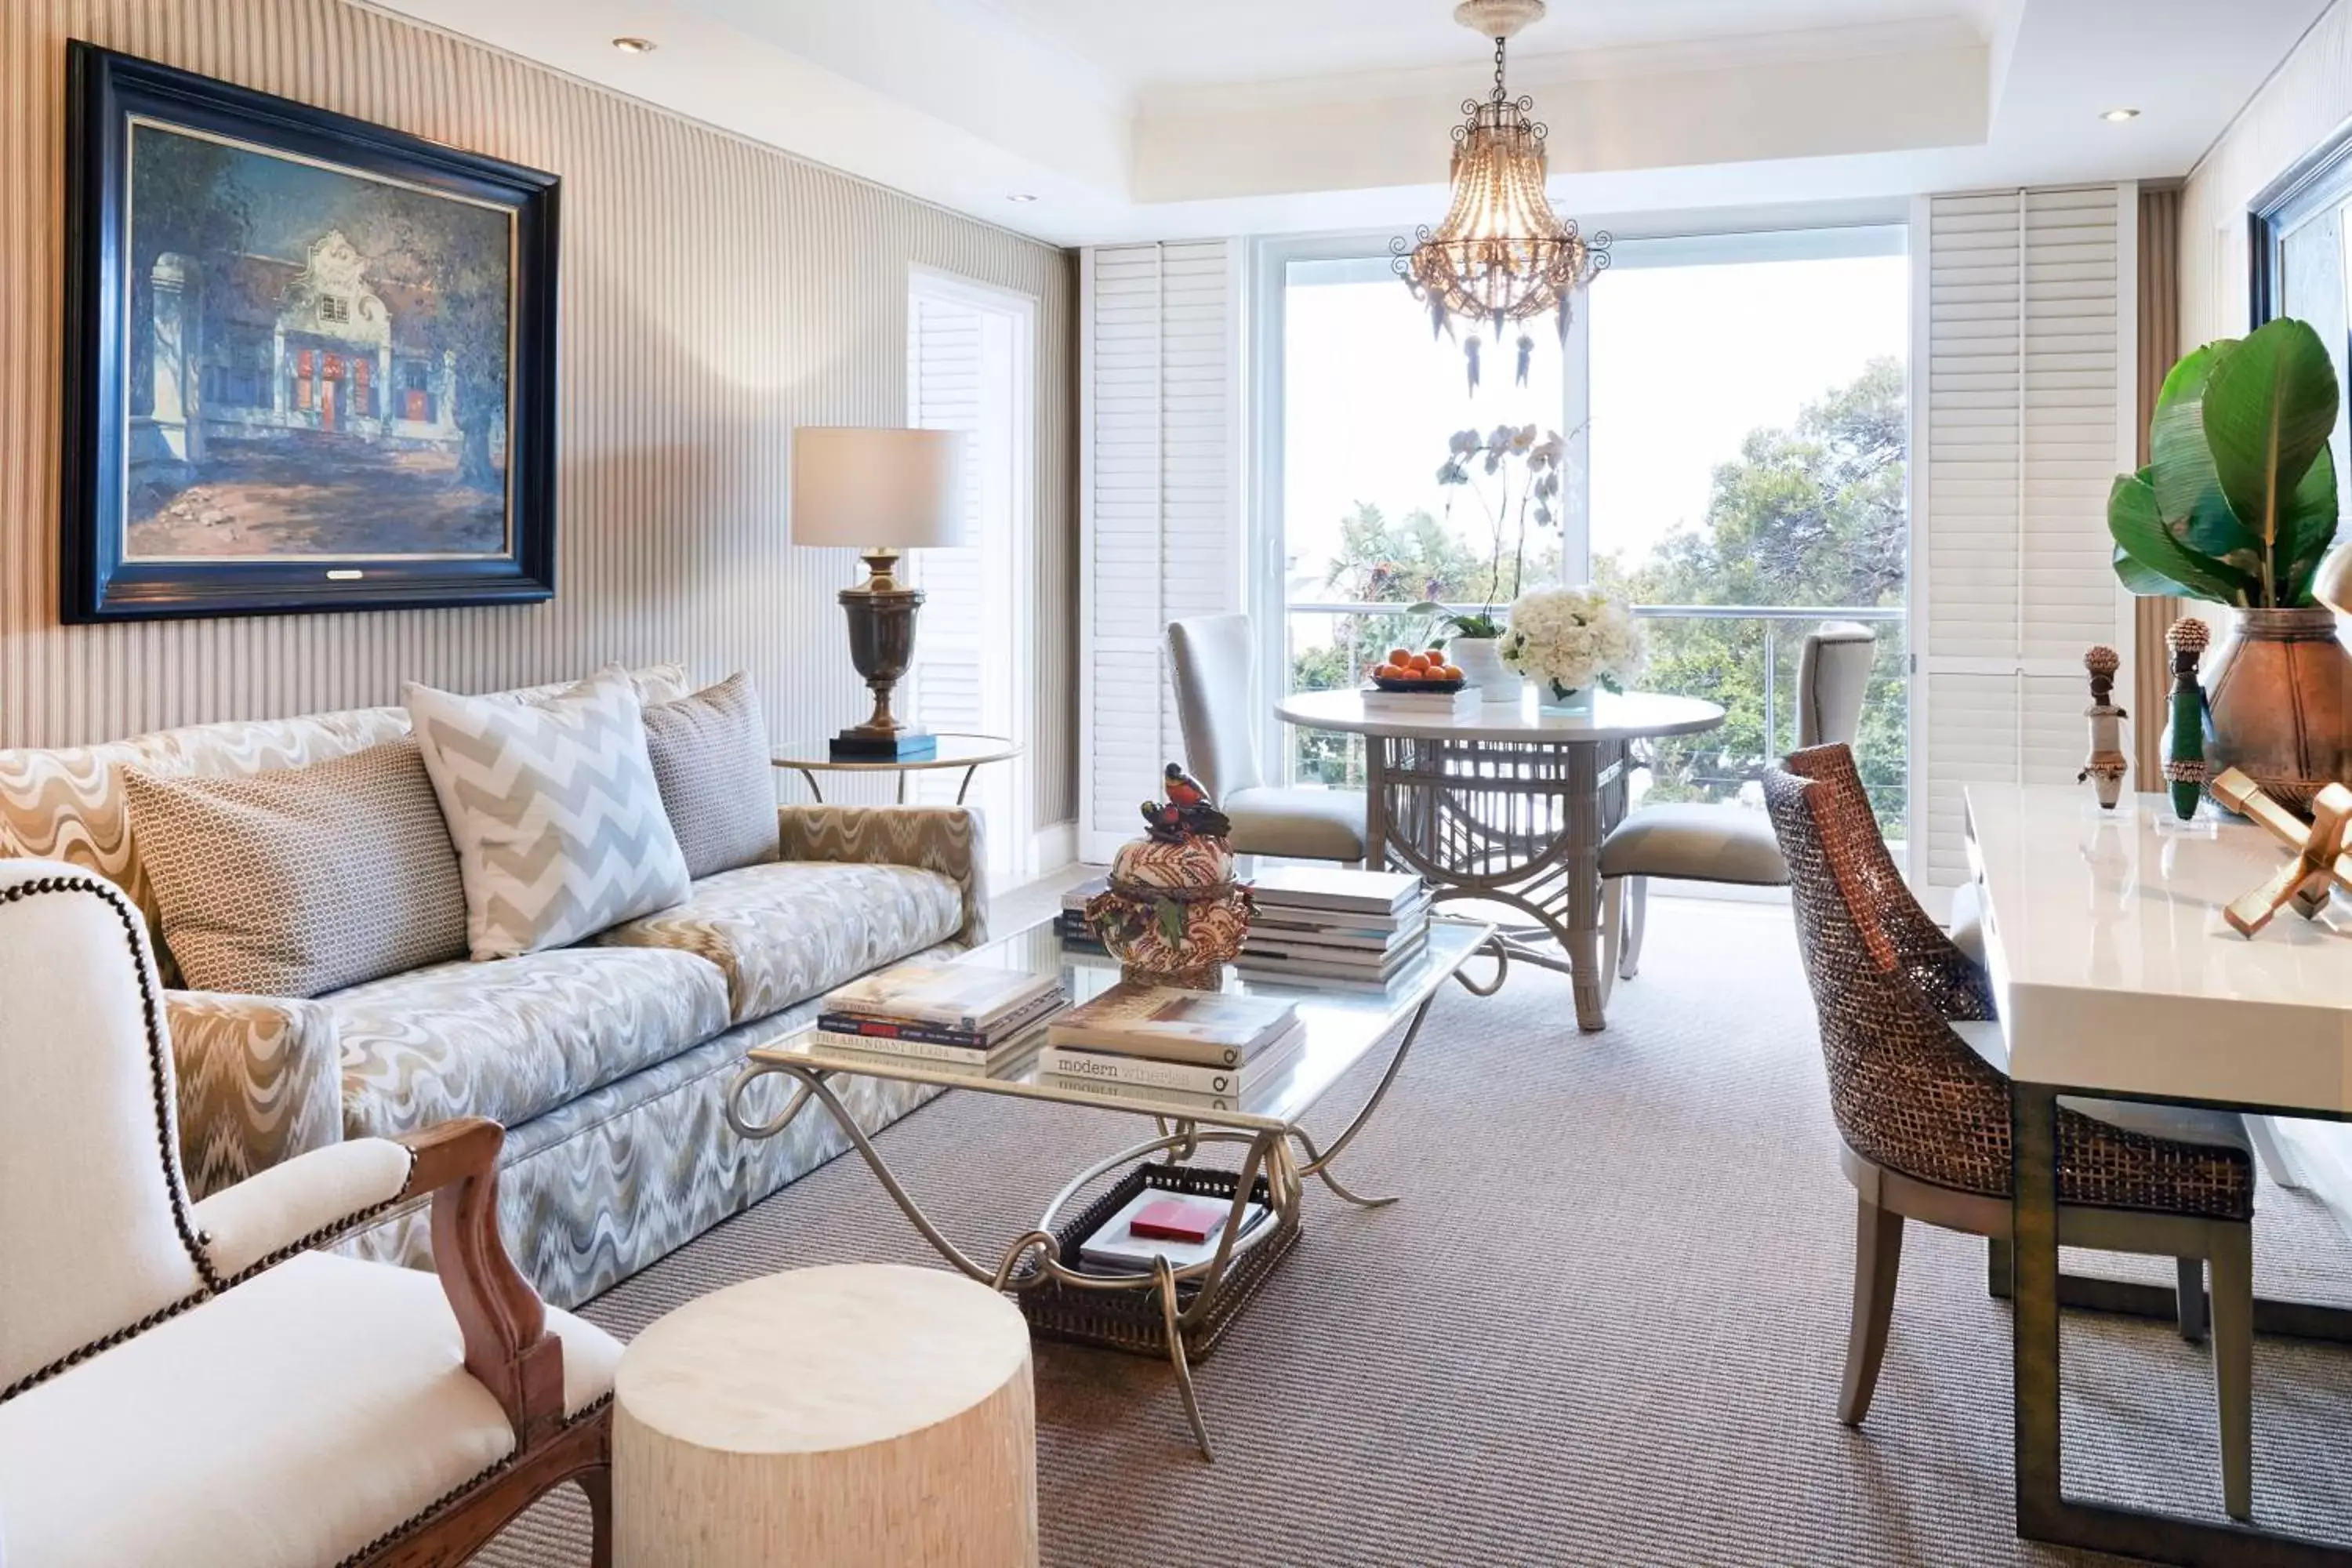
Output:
x=2237 y=504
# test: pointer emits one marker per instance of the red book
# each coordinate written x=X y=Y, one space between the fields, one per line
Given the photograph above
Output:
x=1179 y=1219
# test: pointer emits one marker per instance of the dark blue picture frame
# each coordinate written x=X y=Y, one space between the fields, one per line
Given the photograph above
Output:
x=100 y=581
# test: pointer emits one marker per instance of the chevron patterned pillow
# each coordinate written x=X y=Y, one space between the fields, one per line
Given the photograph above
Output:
x=557 y=821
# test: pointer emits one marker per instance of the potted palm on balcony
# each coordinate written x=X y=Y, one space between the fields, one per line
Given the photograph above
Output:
x=2238 y=507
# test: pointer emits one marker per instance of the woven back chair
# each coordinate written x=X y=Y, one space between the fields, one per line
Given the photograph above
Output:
x=1919 y=1089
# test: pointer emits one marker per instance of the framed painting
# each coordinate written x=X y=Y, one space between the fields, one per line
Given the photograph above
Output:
x=310 y=361
x=2298 y=228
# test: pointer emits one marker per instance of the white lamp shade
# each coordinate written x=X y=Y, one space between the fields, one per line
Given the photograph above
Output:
x=901 y=489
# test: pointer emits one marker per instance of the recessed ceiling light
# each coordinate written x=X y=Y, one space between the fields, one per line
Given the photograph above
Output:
x=2118 y=116
x=1021 y=196
x=635 y=46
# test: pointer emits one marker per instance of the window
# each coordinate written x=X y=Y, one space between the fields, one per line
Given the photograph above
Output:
x=971 y=357
x=1734 y=411
x=334 y=307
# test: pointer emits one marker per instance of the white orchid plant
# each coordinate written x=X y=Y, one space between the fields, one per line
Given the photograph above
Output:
x=1568 y=639
x=1524 y=468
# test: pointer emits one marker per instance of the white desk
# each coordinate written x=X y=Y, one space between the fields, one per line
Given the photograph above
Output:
x=2114 y=968
x=2115 y=975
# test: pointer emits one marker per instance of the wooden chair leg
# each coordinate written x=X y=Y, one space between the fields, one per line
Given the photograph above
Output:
x=2188 y=1292
x=1877 y=1260
x=597 y=1486
x=1637 y=917
x=2233 y=1363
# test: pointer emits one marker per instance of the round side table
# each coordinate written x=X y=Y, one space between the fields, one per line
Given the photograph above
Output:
x=859 y=1415
x=969 y=752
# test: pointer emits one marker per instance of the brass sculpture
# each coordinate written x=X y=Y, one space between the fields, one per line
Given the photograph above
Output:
x=2320 y=864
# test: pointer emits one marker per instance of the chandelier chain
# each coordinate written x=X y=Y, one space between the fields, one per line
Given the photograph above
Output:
x=1499 y=93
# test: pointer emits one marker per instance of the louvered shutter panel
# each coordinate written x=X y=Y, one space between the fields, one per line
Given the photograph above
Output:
x=2028 y=390
x=1158 y=488
x=943 y=380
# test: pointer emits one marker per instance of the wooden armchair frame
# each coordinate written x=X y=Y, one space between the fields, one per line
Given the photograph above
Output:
x=509 y=1350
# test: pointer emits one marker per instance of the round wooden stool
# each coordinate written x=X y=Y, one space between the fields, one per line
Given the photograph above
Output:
x=829 y=1416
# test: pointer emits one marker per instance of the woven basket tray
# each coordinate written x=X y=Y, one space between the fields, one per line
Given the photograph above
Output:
x=1131 y=1319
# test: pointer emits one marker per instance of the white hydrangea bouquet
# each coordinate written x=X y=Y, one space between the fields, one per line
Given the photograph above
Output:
x=1569 y=641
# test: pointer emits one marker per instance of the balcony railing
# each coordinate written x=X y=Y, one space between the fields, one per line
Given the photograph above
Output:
x=1742 y=655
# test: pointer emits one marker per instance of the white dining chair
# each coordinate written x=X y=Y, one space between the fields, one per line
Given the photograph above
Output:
x=1211 y=655
x=1697 y=841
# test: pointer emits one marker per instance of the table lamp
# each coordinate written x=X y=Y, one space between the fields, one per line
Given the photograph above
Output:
x=879 y=492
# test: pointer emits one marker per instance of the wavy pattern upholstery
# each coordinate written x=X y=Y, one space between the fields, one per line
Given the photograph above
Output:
x=516 y=1038
x=620 y=1178
x=633 y=1160
x=261 y=1082
x=755 y=924
x=942 y=838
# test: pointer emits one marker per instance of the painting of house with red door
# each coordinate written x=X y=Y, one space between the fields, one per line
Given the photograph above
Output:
x=319 y=360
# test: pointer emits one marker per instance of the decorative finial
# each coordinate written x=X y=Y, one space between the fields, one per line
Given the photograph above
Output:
x=2106 y=764
x=2189 y=635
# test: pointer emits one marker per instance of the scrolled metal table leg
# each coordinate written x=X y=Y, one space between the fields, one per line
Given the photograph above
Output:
x=1164 y=1286
x=1499 y=951
x=1315 y=1164
x=812 y=1085
x=1047 y=1247
x=732 y=1108
x=1320 y=1164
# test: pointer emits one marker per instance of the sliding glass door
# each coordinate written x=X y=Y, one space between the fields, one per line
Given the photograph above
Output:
x=1732 y=413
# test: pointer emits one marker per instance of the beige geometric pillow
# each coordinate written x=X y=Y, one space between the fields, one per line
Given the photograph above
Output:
x=558 y=824
x=710 y=757
x=298 y=881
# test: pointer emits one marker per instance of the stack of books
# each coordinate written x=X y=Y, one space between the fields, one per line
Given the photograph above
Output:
x=1462 y=702
x=1142 y=1036
x=1156 y=1223
x=956 y=1014
x=1335 y=926
x=1071 y=926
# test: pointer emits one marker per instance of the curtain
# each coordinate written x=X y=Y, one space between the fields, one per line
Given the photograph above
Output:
x=2159 y=346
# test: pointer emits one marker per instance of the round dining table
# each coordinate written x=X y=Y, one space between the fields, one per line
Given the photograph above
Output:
x=1507 y=803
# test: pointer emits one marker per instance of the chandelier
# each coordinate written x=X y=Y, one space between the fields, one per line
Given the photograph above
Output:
x=1500 y=255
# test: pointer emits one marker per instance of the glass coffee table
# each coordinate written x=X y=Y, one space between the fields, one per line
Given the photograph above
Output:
x=1178 y=1311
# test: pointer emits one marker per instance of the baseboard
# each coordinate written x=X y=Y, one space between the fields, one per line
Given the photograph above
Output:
x=1053 y=848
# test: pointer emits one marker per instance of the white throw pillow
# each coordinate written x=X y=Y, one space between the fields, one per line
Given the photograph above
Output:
x=557 y=821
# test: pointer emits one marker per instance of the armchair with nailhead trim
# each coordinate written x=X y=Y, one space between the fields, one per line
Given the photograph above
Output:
x=199 y=1384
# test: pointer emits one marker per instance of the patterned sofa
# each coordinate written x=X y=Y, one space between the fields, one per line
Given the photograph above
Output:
x=608 y=1062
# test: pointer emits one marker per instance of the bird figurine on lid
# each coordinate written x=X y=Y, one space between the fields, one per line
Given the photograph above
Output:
x=1173 y=911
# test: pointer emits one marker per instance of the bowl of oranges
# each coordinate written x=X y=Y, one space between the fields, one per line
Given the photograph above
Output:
x=1405 y=671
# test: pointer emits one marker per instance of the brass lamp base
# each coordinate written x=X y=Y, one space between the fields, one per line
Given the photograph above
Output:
x=882 y=647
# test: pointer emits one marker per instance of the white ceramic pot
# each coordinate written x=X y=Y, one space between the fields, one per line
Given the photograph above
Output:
x=1482 y=667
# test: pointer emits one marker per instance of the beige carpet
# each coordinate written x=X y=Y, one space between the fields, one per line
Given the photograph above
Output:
x=1605 y=1327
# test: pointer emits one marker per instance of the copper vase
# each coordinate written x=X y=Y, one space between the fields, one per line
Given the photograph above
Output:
x=2280 y=686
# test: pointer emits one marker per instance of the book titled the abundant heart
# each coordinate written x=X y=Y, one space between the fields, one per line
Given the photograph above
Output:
x=973 y=998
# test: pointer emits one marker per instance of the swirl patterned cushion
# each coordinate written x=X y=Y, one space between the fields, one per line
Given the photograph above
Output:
x=786 y=932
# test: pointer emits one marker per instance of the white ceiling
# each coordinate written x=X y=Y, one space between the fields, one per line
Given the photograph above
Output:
x=1154 y=43
x=1141 y=119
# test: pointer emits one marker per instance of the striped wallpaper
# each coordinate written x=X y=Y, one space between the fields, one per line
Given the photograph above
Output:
x=715 y=294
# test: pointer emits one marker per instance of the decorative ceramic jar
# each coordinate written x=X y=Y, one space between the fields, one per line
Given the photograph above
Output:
x=2279 y=686
x=1173 y=911
x=1482 y=667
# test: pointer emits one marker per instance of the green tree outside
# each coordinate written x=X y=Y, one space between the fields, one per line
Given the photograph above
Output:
x=1811 y=514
